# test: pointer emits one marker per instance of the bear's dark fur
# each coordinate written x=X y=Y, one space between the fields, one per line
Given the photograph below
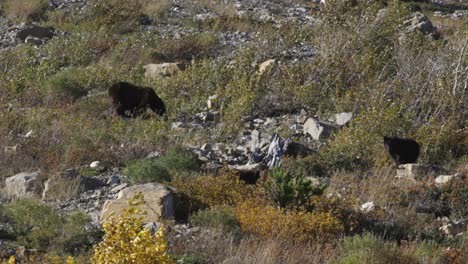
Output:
x=135 y=99
x=402 y=150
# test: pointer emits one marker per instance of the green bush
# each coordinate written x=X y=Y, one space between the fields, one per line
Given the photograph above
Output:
x=368 y=249
x=216 y=217
x=148 y=170
x=118 y=16
x=361 y=144
x=26 y=9
x=65 y=86
x=37 y=225
x=179 y=160
x=290 y=190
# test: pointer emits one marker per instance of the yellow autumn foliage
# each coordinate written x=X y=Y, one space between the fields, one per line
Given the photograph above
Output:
x=267 y=220
x=126 y=241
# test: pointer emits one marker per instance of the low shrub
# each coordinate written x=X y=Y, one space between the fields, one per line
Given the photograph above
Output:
x=199 y=192
x=222 y=217
x=269 y=221
x=147 y=170
x=360 y=145
x=288 y=189
x=64 y=86
x=369 y=249
x=180 y=159
x=26 y=9
x=184 y=49
x=37 y=225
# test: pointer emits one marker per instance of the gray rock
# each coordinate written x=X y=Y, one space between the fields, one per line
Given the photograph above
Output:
x=318 y=130
x=419 y=22
x=24 y=185
x=414 y=171
x=342 y=119
x=453 y=228
x=443 y=179
x=118 y=188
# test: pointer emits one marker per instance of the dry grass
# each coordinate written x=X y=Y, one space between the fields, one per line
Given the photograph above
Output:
x=25 y=9
x=214 y=246
x=155 y=8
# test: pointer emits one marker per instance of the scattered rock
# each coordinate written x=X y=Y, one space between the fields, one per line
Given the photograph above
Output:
x=24 y=185
x=158 y=198
x=95 y=164
x=415 y=171
x=342 y=119
x=452 y=228
x=368 y=207
x=443 y=179
x=318 y=130
x=249 y=173
x=419 y=22
x=154 y=71
x=265 y=65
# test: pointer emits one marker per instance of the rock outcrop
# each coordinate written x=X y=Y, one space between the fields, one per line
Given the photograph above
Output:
x=158 y=202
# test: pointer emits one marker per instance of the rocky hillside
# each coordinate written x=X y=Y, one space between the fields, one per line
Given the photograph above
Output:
x=271 y=148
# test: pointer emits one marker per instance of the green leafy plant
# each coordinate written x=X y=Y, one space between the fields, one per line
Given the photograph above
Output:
x=290 y=190
x=148 y=170
x=39 y=226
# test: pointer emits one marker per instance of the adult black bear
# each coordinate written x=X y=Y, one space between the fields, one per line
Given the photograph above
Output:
x=135 y=99
x=402 y=150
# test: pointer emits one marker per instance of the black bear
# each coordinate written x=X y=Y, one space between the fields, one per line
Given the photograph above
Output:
x=135 y=99
x=402 y=150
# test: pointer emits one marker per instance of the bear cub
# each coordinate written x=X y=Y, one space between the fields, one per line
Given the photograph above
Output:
x=134 y=99
x=402 y=150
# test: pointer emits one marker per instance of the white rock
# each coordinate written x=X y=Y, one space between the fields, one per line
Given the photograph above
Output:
x=342 y=118
x=154 y=71
x=318 y=130
x=443 y=179
x=368 y=207
x=94 y=164
x=414 y=171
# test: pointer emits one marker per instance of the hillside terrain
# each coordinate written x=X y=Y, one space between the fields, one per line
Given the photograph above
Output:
x=269 y=147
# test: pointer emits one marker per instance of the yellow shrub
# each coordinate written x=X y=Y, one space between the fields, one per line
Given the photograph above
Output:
x=126 y=241
x=226 y=189
x=266 y=220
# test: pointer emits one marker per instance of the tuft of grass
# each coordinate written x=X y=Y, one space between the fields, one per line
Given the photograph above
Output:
x=25 y=10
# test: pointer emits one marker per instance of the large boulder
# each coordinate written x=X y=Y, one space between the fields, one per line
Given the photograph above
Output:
x=24 y=185
x=158 y=202
x=155 y=71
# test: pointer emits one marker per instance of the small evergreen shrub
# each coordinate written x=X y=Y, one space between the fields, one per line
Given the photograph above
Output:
x=65 y=86
x=147 y=170
x=290 y=190
x=180 y=159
